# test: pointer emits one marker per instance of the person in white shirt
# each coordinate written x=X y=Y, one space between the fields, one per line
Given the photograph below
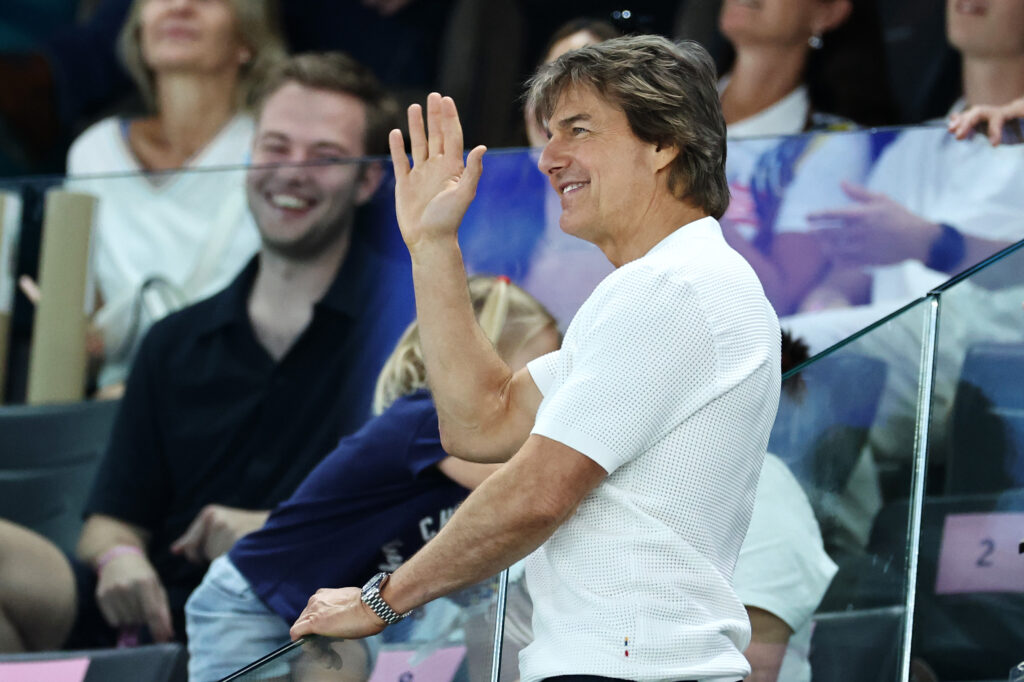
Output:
x=633 y=453
x=932 y=206
x=178 y=236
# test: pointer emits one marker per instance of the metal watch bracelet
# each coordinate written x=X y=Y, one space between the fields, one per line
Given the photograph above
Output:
x=371 y=597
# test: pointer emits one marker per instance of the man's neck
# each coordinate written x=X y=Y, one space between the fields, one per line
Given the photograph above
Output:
x=992 y=81
x=281 y=302
x=647 y=233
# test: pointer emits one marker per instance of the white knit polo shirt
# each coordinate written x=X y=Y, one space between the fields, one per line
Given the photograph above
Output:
x=669 y=379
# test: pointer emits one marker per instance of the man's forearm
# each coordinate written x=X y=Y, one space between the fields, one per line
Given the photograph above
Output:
x=468 y=379
x=511 y=514
x=101 y=533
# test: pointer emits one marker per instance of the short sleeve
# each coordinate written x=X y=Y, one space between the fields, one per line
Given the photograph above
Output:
x=643 y=359
x=783 y=567
x=132 y=483
x=542 y=371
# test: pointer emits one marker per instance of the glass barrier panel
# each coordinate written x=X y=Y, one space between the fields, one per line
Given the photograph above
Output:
x=448 y=640
x=851 y=598
x=969 y=620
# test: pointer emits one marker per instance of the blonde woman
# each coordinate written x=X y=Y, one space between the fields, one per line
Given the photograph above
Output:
x=164 y=239
x=372 y=502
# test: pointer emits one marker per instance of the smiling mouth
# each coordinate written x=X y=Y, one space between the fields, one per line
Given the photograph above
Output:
x=572 y=187
x=290 y=202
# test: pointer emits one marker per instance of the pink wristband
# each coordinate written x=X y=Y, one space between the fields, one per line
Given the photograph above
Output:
x=115 y=552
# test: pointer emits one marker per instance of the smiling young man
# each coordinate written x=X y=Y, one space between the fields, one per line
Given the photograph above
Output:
x=233 y=400
x=633 y=452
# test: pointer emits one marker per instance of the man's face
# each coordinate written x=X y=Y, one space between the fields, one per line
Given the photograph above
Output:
x=605 y=175
x=986 y=28
x=302 y=209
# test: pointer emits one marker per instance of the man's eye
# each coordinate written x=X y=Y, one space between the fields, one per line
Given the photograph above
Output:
x=578 y=130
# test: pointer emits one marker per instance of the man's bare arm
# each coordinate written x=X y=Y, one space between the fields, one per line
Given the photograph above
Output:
x=101 y=533
x=769 y=637
x=128 y=590
x=485 y=411
x=512 y=513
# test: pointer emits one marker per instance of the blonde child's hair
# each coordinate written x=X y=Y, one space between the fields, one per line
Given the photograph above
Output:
x=509 y=317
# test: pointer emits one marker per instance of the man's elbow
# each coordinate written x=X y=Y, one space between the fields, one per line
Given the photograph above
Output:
x=473 y=445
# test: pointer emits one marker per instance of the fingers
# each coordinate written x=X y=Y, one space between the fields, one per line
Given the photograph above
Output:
x=191 y=542
x=858 y=192
x=451 y=127
x=995 y=128
x=398 y=158
x=474 y=169
x=417 y=134
x=31 y=290
x=157 y=612
x=435 y=133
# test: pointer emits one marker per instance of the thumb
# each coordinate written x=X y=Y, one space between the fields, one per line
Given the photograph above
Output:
x=191 y=541
x=474 y=169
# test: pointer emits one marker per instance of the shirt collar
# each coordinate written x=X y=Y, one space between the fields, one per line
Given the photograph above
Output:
x=346 y=295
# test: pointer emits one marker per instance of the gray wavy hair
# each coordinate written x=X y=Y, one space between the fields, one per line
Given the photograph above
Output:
x=669 y=94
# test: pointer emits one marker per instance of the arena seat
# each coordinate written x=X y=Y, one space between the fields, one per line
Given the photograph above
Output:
x=986 y=452
x=151 y=663
x=49 y=456
x=856 y=646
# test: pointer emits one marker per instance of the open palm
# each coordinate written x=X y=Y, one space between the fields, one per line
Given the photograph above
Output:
x=433 y=194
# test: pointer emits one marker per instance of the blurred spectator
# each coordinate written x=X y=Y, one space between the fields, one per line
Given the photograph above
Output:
x=164 y=240
x=75 y=74
x=792 y=57
x=369 y=505
x=933 y=206
x=996 y=118
x=234 y=399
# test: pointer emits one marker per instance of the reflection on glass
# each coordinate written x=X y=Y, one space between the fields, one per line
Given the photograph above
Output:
x=969 y=612
x=446 y=640
x=829 y=410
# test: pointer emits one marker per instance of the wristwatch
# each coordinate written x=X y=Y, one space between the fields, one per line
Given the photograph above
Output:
x=371 y=597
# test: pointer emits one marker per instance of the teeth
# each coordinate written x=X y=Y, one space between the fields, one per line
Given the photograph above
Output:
x=569 y=188
x=288 y=201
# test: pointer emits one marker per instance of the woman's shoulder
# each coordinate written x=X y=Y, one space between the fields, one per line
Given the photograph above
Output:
x=98 y=148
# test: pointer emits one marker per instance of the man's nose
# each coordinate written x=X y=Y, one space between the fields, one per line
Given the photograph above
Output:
x=552 y=158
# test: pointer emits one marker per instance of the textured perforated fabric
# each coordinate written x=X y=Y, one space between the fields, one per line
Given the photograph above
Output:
x=669 y=379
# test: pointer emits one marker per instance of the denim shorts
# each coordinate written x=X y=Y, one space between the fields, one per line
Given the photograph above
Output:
x=228 y=626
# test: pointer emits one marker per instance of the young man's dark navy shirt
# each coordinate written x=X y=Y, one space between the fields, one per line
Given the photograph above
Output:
x=209 y=417
x=368 y=506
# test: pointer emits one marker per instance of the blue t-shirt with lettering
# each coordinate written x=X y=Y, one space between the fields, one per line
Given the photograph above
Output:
x=367 y=507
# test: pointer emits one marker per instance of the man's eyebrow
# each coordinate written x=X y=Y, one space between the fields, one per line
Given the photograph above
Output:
x=570 y=120
x=272 y=135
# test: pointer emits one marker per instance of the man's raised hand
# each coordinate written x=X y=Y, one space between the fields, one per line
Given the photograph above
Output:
x=432 y=196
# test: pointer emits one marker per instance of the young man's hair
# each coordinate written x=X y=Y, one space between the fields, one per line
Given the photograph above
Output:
x=336 y=72
x=669 y=94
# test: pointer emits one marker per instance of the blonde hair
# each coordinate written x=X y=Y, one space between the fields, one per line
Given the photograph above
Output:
x=256 y=27
x=508 y=316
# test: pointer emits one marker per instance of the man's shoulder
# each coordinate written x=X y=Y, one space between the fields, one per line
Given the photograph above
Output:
x=182 y=326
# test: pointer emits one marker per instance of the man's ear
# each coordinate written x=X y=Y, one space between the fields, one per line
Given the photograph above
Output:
x=664 y=154
x=369 y=180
